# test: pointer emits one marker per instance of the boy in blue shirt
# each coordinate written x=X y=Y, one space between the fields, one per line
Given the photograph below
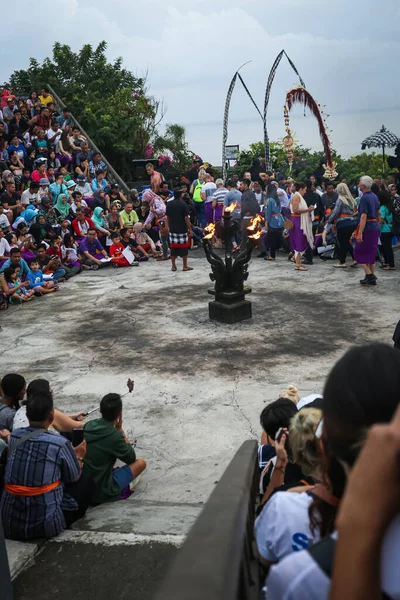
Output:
x=37 y=282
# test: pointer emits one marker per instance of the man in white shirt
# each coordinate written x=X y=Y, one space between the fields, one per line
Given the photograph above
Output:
x=31 y=195
x=54 y=134
x=207 y=192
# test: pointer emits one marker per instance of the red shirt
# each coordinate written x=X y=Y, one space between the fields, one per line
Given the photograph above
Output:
x=53 y=252
x=116 y=249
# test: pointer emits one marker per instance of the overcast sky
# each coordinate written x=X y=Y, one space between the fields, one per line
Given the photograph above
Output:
x=346 y=51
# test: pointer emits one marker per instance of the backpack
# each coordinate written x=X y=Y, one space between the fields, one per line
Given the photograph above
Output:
x=197 y=191
x=323 y=553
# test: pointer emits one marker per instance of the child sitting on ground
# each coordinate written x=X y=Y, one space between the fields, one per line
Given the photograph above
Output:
x=116 y=250
x=144 y=240
x=17 y=292
x=37 y=282
x=107 y=442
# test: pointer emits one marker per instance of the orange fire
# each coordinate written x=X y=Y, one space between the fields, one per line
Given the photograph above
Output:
x=210 y=231
x=256 y=236
x=231 y=207
x=254 y=223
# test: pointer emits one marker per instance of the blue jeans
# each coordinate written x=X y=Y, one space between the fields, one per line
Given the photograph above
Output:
x=197 y=234
x=58 y=274
x=201 y=213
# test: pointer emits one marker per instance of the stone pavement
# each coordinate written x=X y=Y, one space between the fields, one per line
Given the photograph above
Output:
x=199 y=386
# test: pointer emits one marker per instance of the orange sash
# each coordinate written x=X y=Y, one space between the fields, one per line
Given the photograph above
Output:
x=22 y=490
x=347 y=215
x=355 y=234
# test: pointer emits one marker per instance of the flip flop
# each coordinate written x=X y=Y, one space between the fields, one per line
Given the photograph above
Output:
x=188 y=269
x=300 y=269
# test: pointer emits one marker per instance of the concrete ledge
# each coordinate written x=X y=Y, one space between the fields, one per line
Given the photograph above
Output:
x=20 y=556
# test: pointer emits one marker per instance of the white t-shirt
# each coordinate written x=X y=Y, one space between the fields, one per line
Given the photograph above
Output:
x=50 y=132
x=283 y=527
x=209 y=189
x=283 y=198
x=20 y=418
x=298 y=577
x=28 y=198
x=4 y=246
x=4 y=222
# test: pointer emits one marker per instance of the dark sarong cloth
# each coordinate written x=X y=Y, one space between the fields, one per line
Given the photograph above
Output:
x=179 y=244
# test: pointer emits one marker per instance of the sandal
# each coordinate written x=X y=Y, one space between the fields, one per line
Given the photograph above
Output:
x=188 y=269
x=300 y=268
x=269 y=258
x=174 y=269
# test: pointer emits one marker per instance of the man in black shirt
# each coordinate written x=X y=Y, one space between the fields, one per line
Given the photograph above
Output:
x=178 y=221
x=194 y=171
x=11 y=202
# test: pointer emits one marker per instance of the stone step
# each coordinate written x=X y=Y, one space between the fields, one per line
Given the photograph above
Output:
x=140 y=517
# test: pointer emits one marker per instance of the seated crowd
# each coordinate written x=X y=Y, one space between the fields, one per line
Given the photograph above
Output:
x=54 y=466
x=307 y=452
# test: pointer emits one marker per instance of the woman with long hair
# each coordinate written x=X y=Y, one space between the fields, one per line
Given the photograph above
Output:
x=300 y=236
x=345 y=216
x=361 y=390
x=274 y=222
x=386 y=224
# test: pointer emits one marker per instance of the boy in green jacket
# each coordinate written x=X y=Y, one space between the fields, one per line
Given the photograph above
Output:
x=106 y=442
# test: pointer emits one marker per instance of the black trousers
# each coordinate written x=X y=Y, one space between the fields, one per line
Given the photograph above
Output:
x=344 y=244
x=387 y=249
x=81 y=491
x=275 y=239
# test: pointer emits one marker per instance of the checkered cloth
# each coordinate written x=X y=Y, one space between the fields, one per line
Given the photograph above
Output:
x=179 y=240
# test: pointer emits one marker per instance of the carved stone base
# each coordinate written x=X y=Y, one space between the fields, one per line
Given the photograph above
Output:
x=230 y=307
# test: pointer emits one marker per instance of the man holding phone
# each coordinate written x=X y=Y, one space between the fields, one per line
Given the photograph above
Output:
x=107 y=442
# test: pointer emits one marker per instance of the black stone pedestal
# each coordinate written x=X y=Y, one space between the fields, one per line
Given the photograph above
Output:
x=229 y=307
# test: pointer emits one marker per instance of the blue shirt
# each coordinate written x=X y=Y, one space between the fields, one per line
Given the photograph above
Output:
x=22 y=264
x=386 y=226
x=273 y=208
x=35 y=278
x=231 y=197
x=369 y=205
x=42 y=460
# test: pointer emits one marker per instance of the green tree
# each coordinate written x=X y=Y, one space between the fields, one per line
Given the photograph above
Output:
x=110 y=103
x=307 y=162
x=174 y=141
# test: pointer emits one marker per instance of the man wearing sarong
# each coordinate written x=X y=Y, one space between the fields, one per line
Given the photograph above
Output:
x=180 y=229
x=367 y=232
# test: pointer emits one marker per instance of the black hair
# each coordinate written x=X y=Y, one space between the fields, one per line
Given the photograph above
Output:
x=46 y=89
x=115 y=235
x=75 y=194
x=110 y=406
x=385 y=199
x=14 y=251
x=66 y=109
x=329 y=183
x=68 y=239
x=34 y=184
x=92 y=229
x=230 y=183
x=247 y=182
x=277 y=414
x=100 y=172
x=12 y=385
x=41 y=247
x=362 y=389
x=177 y=193
x=7 y=273
x=33 y=261
x=37 y=386
x=272 y=192
x=39 y=406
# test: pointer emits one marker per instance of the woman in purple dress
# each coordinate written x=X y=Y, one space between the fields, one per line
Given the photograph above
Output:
x=300 y=236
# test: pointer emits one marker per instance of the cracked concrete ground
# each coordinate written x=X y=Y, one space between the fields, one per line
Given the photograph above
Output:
x=199 y=385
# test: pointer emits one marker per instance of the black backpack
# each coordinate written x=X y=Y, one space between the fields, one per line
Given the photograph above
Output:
x=323 y=554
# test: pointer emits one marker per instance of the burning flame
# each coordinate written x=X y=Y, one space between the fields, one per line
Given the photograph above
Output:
x=231 y=207
x=254 y=223
x=210 y=232
x=256 y=236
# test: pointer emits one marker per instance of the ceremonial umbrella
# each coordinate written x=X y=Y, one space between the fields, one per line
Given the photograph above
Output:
x=381 y=139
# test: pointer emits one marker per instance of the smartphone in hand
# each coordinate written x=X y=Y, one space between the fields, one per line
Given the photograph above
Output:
x=77 y=436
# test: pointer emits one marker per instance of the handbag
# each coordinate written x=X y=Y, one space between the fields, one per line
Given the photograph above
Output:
x=288 y=224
